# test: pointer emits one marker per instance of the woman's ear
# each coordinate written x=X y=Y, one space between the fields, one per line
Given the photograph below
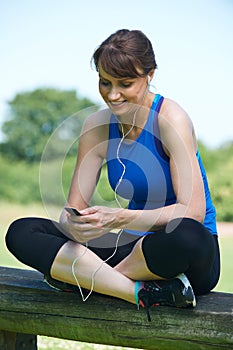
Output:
x=150 y=75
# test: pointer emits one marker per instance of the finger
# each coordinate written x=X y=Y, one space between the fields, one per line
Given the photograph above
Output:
x=88 y=211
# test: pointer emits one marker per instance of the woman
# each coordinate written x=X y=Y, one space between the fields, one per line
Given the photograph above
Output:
x=167 y=249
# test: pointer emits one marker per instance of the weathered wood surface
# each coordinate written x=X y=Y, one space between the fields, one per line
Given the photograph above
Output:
x=17 y=341
x=28 y=305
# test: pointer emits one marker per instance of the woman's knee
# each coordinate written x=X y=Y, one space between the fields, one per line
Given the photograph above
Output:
x=15 y=233
x=172 y=250
x=35 y=242
x=25 y=230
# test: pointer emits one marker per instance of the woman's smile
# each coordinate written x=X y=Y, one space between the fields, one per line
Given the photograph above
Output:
x=117 y=104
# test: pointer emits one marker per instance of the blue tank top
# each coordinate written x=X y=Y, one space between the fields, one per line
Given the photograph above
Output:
x=147 y=182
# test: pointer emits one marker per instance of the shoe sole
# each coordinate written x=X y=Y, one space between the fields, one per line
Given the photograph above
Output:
x=190 y=296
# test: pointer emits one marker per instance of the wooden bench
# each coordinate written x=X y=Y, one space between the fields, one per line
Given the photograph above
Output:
x=29 y=307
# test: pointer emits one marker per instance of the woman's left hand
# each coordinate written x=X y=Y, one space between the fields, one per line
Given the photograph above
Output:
x=96 y=221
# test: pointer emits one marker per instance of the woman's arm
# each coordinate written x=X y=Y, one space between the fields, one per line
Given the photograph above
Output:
x=178 y=136
x=91 y=152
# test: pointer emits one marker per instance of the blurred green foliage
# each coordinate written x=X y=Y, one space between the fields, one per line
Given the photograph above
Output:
x=219 y=167
x=34 y=116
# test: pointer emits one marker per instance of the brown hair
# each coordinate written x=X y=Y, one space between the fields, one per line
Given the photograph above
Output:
x=126 y=53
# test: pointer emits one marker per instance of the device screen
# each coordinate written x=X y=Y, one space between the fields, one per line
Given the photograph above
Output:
x=73 y=211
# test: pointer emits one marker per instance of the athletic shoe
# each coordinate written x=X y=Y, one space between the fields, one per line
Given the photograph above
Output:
x=175 y=292
x=59 y=285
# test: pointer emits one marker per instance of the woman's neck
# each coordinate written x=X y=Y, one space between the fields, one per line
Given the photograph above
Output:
x=136 y=121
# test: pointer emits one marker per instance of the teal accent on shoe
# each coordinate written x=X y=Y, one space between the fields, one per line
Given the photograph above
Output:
x=138 y=286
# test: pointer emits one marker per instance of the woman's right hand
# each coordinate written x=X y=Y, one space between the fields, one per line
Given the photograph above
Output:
x=68 y=227
x=78 y=231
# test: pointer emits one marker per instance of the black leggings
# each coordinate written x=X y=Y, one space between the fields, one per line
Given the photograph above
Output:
x=188 y=248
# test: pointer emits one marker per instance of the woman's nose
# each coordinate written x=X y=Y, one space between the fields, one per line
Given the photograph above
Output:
x=114 y=93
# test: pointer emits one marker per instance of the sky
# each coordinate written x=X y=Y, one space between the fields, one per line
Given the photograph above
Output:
x=49 y=43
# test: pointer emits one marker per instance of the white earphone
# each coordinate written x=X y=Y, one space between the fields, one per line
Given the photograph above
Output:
x=148 y=77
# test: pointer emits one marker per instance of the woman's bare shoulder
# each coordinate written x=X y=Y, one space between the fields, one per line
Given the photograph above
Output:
x=100 y=118
x=97 y=124
x=172 y=109
x=173 y=114
x=174 y=121
x=95 y=133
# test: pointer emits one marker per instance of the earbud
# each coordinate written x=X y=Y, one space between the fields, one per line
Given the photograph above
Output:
x=148 y=78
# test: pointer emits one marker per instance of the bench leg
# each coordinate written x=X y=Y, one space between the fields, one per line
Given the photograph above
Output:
x=17 y=341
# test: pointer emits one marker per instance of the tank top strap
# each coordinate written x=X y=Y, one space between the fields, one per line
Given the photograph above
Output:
x=156 y=106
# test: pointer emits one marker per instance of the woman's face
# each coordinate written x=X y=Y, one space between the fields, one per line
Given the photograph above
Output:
x=122 y=95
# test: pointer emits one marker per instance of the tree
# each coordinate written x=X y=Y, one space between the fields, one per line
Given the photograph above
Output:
x=33 y=118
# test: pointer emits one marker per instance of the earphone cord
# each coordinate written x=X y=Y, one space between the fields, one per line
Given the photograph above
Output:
x=94 y=273
x=118 y=156
x=119 y=204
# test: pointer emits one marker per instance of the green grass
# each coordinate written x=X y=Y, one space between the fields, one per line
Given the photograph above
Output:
x=10 y=212
x=58 y=344
x=226 y=283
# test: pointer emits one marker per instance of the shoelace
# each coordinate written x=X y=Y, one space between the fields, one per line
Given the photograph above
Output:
x=147 y=311
x=145 y=303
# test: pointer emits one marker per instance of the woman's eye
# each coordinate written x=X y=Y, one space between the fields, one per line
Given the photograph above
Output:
x=126 y=85
x=104 y=83
x=122 y=84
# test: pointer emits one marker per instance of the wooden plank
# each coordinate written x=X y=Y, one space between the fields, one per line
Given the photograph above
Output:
x=38 y=309
x=7 y=340
x=17 y=341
